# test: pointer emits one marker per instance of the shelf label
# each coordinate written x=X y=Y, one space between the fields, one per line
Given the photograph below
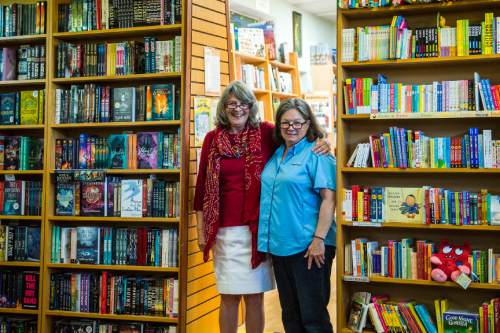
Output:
x=351 y=278
x=367 y=224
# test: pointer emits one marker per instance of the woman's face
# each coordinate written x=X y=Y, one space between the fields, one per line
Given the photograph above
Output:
x=293 y=127
x=237 y=113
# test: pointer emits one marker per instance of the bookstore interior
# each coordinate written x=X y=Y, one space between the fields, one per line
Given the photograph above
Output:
x=104 y=108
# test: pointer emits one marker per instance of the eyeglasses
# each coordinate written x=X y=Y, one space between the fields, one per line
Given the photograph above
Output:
x=294 y=124
x=241 y=106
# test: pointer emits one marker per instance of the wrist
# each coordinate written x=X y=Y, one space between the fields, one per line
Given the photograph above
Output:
x=319 y=237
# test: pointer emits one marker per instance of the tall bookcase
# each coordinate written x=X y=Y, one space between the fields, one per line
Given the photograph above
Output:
x=39 y=131
x=354 y=129
x=267 y=96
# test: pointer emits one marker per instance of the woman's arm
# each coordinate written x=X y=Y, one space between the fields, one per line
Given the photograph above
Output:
x=202 y=242
x=322 y=147
x=316 y=251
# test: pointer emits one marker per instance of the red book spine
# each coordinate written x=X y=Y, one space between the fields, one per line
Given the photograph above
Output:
x=427 y=207
x=104 y=288
x=496 y=100
x=359 y=92
x=485 y=318
x=355 y=190
x=144 y=198
x=390 y=250
x=366 y=204
x=496 y=314
x=98 y=14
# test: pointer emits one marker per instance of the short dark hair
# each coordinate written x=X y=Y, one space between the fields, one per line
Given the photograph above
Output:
x=313 y=132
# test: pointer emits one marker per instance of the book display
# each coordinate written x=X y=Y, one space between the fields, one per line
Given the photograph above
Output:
x=418 y=173
x=255 y=63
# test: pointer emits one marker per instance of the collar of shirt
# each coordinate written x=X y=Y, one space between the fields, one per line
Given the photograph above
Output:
x=293 y=151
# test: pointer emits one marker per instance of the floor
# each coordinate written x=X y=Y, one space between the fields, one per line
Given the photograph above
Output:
x=273 y=309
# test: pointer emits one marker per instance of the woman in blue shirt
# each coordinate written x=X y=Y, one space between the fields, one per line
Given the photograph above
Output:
x=296 y=219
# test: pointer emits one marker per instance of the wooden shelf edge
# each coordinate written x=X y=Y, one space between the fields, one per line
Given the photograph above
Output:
x=403 y=225
x=282 y=66
x=248 y=58
x=119 y=124
x=92 y=315
x=17 y=83
x=283 y=95
x=424 y=115
x=131 y=171
x=18 y=311
x=128 y=268
x=113 y=219
x=19 y=217
x=146 y=76
x=118 y=31
x=21 y=172
x=32 y=264
x=21 y=127
x=421 y=61
x=448 y=284
x=22 y=39
x=421 y=170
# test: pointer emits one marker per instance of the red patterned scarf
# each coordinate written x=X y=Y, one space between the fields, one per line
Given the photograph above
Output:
x=247 y=144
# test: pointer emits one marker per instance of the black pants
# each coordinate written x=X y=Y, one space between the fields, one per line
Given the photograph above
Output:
x=304 y=294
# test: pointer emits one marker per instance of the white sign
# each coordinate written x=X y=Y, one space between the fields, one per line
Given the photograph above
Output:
x=212 y=72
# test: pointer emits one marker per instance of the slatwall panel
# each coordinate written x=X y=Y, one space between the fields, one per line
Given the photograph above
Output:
x=209 y=28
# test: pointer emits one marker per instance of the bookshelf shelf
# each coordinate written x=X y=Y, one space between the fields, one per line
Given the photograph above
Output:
x=459 y=6
x=32 y=264
x=123 y=32
x=128 y=268
x=260 y=91
x=446 y=227
x=282 y=66
x=21 y=172
x=21 y=127
x=449 y=284
x=136 y=171
x=283 y=95
x=161 y=123
x=420 y=62
x=422 y=170
x=23 y=39
x=22 y=83
x=17 y=311
x=427 y=116
x=113 y=219
x=20 y=217
x=115 y=78
x=152 y=319
x=250 y=59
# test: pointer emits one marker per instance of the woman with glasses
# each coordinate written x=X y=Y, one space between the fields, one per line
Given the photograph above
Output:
x=296 y=219
x=227 y=205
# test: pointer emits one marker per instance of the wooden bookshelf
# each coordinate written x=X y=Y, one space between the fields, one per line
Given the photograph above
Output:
x=354 y=129
x=100 y=316
x=117 y=78
x=266 y=95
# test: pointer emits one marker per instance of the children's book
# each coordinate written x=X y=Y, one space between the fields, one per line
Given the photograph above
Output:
x=131 y=198
x=404 y=204
x=359 y=311
x=458 y=321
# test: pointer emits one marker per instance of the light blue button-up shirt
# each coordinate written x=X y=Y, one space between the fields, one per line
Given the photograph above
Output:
x=290 y=199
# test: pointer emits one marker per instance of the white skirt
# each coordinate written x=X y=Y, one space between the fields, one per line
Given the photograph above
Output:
x=233 y=267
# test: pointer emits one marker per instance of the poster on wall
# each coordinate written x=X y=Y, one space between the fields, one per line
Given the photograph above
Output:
x=205 y=109
x=212 y=72
x=297 y=32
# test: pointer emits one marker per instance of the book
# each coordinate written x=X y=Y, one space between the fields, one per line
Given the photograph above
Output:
x=149 y=150
x=124 y=104
x=358 y=312
x=8 y=108
x=8 y=64
x=30 y=290
x=65 y=194
x=163 y=101
x=118 y=147
x=87 y=251
x=403 y=205
x=494 y=217
x=33 y=244
x=131 y=198
x=250 y=41
x=457 y=321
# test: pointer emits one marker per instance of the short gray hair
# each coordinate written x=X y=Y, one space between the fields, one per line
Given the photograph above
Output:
x=241 y=92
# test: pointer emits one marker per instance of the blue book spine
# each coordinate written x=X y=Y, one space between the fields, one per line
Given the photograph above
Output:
x=373 y=205
x=380 y=202
x=489 y=94
x=440 y=97
x=452 y=209
x=442 y=195
x=83 y=152
x=467 y=207
x=480 y=151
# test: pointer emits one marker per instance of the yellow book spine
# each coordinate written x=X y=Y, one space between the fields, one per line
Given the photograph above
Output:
x=360 y=206
x=481 y=318
x=459 y=38
x=439 y=319
x=415 y=317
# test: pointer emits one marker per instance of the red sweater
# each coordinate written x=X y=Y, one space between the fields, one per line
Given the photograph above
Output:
x=231 y=178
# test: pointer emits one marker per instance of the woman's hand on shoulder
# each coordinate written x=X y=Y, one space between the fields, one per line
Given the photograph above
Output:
x=315 y=252
x=322 y=147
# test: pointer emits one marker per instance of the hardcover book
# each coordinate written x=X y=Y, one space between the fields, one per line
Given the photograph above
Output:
x=11 y=158
x=131 y=198
x=87 y=249
x=35 y=158
x=29 y=107
x=118 y=151
x=33 y=243
x=12 y=198
x=92 y=198
x=460 y=322
x=148 y=144
x=65 y=194
x=163 y=99
x=403 y=204
x=495 y=209
x=7 y=108
x=124 y=104
x=9 y=67
x=30 y=290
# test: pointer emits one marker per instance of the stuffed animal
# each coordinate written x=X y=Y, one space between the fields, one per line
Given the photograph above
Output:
x=450 y=261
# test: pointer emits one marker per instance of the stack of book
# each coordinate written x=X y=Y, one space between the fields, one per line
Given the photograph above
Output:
x=114 y=293
x=364 y=96
x=426 y=205
x=23 y=19
x=84 y=15
x=403 y=148
x=94 y=326
x=20 y=197
x=92 y=103
x=143 y=246
x=21 y=153
x=18 y=324
x=24 y=63
x=19 y=242
x=22 y=107
x=19 y=289
x=143 y=150
x=91 y=193
x=280 y=81
x=399 y=41
x=253 y=76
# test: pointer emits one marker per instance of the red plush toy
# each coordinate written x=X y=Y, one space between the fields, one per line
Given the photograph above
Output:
x=450 y=261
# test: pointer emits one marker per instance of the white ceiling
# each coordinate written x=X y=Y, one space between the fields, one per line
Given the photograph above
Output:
x=326 y=9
